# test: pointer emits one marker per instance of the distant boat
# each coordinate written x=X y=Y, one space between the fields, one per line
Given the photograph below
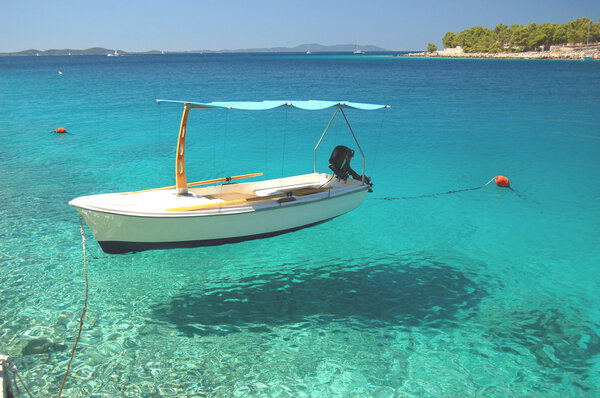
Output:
x=115 y=54
x=357 y=51
x=586 y=56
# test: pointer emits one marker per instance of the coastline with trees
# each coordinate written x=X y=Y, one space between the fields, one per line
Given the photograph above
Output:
x=571 y=40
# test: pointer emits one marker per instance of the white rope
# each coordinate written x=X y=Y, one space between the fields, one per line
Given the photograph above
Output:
x=489 y=182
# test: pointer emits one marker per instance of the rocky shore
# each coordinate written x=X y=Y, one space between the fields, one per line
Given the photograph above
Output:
x=554 y=52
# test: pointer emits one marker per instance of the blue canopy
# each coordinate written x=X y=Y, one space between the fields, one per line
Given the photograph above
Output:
x=310 y=105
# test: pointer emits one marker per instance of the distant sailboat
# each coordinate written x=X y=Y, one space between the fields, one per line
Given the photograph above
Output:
x=116 y=54
x=586 y=56
x=357 y=51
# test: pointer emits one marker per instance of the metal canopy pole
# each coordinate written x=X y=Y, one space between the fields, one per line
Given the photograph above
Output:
x=321 y=139
x=364 y=159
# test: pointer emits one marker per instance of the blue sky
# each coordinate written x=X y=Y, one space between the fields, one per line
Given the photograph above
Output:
x=135 y=25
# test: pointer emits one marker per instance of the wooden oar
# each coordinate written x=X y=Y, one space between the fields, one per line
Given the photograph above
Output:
x=205 y=182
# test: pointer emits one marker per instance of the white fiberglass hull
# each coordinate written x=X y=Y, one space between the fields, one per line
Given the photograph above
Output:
x=122 y=230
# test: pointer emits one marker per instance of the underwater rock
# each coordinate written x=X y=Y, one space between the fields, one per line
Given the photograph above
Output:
x=556 y=338
x=41 y=345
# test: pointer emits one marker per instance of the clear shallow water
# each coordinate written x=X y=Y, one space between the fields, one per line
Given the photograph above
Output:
x=489 y=293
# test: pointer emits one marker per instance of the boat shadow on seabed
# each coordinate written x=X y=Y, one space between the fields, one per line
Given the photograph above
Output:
x=390 y=294
x=408 y=295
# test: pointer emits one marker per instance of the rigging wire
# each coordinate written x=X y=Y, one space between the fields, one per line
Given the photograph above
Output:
x=214 y=148
x=266 y=149
x=285 y=128
x=378 y=140
x=224 y=138
x=160 y=125
x=222 y=155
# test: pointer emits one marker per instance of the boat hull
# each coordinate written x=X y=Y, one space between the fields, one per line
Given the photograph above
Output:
x=124 y=233
x=121 y=247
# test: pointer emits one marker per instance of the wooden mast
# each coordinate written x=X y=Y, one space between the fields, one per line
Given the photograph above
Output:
x=180 y=180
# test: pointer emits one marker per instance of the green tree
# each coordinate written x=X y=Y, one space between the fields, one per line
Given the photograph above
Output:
x=560 y=35
x=449 y=40
x=476 y=39
x=549 y=30
x=535 y=36
x=577 y=30
x=518 y=37
x=523 y=38
x=431 y=47
x=502 y=33
x=595 y=32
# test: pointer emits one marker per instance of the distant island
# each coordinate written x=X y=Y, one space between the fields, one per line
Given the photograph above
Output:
x=571 y=40
x=312 y=48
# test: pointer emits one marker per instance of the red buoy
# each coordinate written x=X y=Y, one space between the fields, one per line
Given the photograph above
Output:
x=61 y=130
x=502 y=181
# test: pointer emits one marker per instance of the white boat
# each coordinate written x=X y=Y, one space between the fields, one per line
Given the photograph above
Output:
x=357 y=51
x=587 y=57
x=115 y=54
x=207 y=213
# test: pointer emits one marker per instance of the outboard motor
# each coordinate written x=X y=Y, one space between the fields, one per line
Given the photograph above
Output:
x=339 y=163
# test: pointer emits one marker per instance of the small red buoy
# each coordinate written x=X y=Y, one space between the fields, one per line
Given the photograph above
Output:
x=60 y=130
x=502 y=181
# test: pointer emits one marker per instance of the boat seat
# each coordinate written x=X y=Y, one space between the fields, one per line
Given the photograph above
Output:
x=307 y=191
x=250 y=197
x=230 y=196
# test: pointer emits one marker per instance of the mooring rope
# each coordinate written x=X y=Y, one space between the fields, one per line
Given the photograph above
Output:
x=83 y=311
x=439 y=193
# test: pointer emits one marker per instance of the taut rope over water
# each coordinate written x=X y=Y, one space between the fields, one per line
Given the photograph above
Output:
x=501 y=181
x=83 y=311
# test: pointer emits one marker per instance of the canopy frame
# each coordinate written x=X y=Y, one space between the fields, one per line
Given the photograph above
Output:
x=180 y=173
x=364 y=158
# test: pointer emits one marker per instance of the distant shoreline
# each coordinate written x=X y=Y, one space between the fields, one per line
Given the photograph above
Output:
x=555 y=52
x=303 y=48
x=124 y=54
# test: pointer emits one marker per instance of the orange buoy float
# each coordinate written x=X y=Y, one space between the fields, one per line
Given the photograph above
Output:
x=502 y=181
x=61 y=130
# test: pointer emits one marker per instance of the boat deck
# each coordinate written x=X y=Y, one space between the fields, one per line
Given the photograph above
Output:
x=231 y=197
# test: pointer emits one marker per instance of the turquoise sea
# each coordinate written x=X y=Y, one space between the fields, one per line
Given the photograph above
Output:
x=484 y=293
